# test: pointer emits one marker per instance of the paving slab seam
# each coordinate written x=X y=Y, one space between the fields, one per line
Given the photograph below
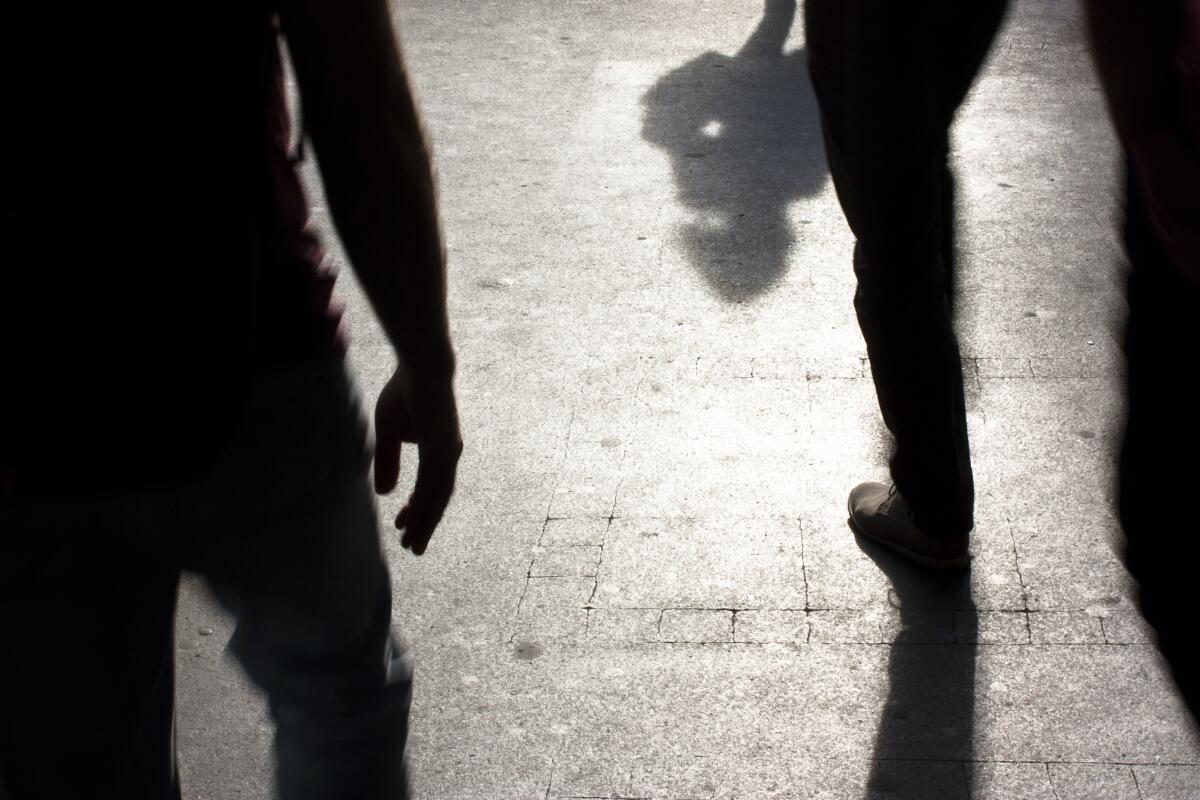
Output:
x=801 y=525
x=612 y=511
x=1050 y=781
x=965 y=764
x=566 y=452
x=800 y=645
x=1052 y=762
x=884 y=634
x=1020 y=577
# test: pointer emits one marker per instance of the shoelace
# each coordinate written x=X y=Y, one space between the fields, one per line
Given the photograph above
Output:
x=886 y=505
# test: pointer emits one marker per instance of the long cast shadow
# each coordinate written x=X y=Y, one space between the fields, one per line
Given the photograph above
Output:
x=924 y=745
x=744 y=139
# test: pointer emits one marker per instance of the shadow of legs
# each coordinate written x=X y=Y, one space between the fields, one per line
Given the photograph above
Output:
x=925 y=741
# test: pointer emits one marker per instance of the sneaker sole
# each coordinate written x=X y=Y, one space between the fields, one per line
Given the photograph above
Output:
x=960 y=562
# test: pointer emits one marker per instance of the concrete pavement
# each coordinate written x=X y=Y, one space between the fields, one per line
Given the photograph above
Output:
x=645 y=587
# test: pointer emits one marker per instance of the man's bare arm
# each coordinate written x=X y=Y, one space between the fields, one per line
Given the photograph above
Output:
x=375 y=164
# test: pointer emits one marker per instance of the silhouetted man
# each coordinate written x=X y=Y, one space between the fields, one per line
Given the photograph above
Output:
x=1148 y=55
x=175 y=394
x=888 y=78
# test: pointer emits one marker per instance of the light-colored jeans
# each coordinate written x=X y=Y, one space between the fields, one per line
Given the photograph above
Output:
x=284 y=528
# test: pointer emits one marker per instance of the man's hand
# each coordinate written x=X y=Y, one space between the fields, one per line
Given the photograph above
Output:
x=420 y=411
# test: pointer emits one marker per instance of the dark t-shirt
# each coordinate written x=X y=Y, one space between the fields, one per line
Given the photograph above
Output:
x=158 y=250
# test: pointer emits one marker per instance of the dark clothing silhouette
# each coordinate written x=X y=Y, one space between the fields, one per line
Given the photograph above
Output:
x=1162 y=438
x=175 y=398
x=158 y=254
x=1148 y=59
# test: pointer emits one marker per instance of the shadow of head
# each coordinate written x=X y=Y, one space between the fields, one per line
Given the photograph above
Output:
x=743 y=136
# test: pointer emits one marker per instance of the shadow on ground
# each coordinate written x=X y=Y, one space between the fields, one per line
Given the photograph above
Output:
x=925 y=742
x=744 y=140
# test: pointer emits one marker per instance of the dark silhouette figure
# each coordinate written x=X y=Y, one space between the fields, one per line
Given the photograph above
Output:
x=175 y=393
x=930 y=708
x=1162 y=438
x=744 y=141
x=889 y=78
x=1148 y=57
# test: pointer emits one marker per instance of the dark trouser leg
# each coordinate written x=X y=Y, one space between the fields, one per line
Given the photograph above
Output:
x=87 y=671
x=285 y=529
x=888 y=78
x=1162 y=438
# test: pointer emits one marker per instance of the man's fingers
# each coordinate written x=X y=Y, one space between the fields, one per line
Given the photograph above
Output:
x=431 y=495
x=393 y=425
x=425 y=511
x=417 y=532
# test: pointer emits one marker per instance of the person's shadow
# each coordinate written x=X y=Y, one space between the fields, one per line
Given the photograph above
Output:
x=744 y=139
x=924 y=746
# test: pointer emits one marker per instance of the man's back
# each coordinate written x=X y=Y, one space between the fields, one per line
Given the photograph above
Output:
x=159 y=251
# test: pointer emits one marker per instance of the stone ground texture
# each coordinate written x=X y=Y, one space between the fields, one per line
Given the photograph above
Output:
x=645 y=587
